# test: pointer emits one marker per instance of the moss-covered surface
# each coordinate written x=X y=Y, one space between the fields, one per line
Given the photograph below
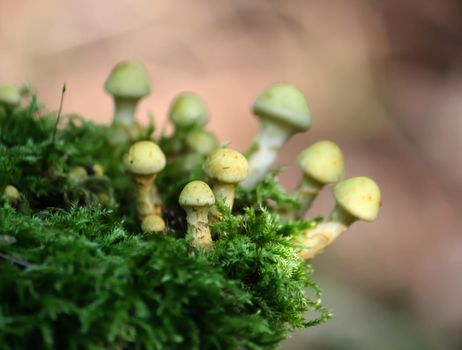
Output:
x=77 y=273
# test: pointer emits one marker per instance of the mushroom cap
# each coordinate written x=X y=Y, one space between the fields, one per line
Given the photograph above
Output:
x=128 y=79
x=188 y=109
x=152 y=223
x=322 y=161
x=144 y=158
x=359 y=196
x=202 y=141
x=11 y=193
x=285 y=104
x=10 y=95
x=196 y=194
x=226 y=165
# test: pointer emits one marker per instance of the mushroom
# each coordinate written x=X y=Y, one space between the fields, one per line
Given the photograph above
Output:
x=358 y=198
x=196 y=199
x=200 y=143
x=128 y=82
x=12 y=194
x=10 y=96
x=152 y=223
x=144 y=160
x=188 y=110
x=322 y=164
x=77 y=174
x=226 y=168
x=283 y=111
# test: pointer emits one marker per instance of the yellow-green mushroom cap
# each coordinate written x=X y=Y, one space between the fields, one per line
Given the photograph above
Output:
x=188 y=109
x=359 y=196
x=323 y=162
x=202 y=141
x=227 y=166
x=10 y=95
x=144 y=158
x=197 y=194
x=128 y=79
x=284 y=104
x=12 y=193
x=152 y=223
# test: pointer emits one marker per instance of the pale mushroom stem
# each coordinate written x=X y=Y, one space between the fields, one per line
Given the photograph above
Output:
x=124 y=111
x=197 y=218
x=316 y=239
x=224 y=192
x=341 y=216
x=306 y=193
x=264 y=151
x=156 y=200
x=144 y=185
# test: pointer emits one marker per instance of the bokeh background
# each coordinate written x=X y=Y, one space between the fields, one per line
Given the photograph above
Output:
x=383 y=80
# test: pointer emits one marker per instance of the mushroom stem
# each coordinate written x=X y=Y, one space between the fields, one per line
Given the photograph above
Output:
x=341 y=216
x=144 y=185
x=264 y=151
x=315 y=239
x=155 y=200
x=197 y=219
x=224 y=192
x=124 y=112
x=306 y=193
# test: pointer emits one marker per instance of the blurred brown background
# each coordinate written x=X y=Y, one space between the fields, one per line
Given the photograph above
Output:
x=383 y=80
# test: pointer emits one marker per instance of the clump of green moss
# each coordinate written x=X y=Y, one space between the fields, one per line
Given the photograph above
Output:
x=77 y=273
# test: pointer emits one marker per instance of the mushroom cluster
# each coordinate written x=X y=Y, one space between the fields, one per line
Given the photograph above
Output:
x=282 y=111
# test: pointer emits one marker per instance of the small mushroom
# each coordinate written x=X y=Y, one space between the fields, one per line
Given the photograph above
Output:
x=12 y=194
x=144 y=160
x=152 y=223
x=188 y=110
x=358 y=198
x=77 y=174
x=196 y=199
x=128 y=82
x=200 y=143
x=283 y=111
x=10 y=97
x=226 y=168
x=322 y=164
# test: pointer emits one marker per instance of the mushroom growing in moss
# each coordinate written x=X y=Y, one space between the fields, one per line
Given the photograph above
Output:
x=226 y=168
x=152 y=223
x=358 y=198
x=322 y=164
x=188 y=110
x=196 y=198
x=283 y=111
x=200 y=143
x=128 y=82
x=144 y=160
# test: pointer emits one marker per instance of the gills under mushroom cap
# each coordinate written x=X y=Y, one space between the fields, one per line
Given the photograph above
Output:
x=322 y=161
x=144 y=158
x=197 y=194
x=359 y=196
x=284 y=104
x=226 y=165
x=188 y=109
x=128 y=79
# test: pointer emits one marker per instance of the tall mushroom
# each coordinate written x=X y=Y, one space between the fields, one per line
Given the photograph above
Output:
x=144 y=160
x=128 y=82
x=196 y=199
x=322 y=164
x=226 y=168
x=188 y=110
x=283 y=111
x=358 y=198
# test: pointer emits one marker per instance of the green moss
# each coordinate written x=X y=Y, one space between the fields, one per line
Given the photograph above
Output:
x=76 y=273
